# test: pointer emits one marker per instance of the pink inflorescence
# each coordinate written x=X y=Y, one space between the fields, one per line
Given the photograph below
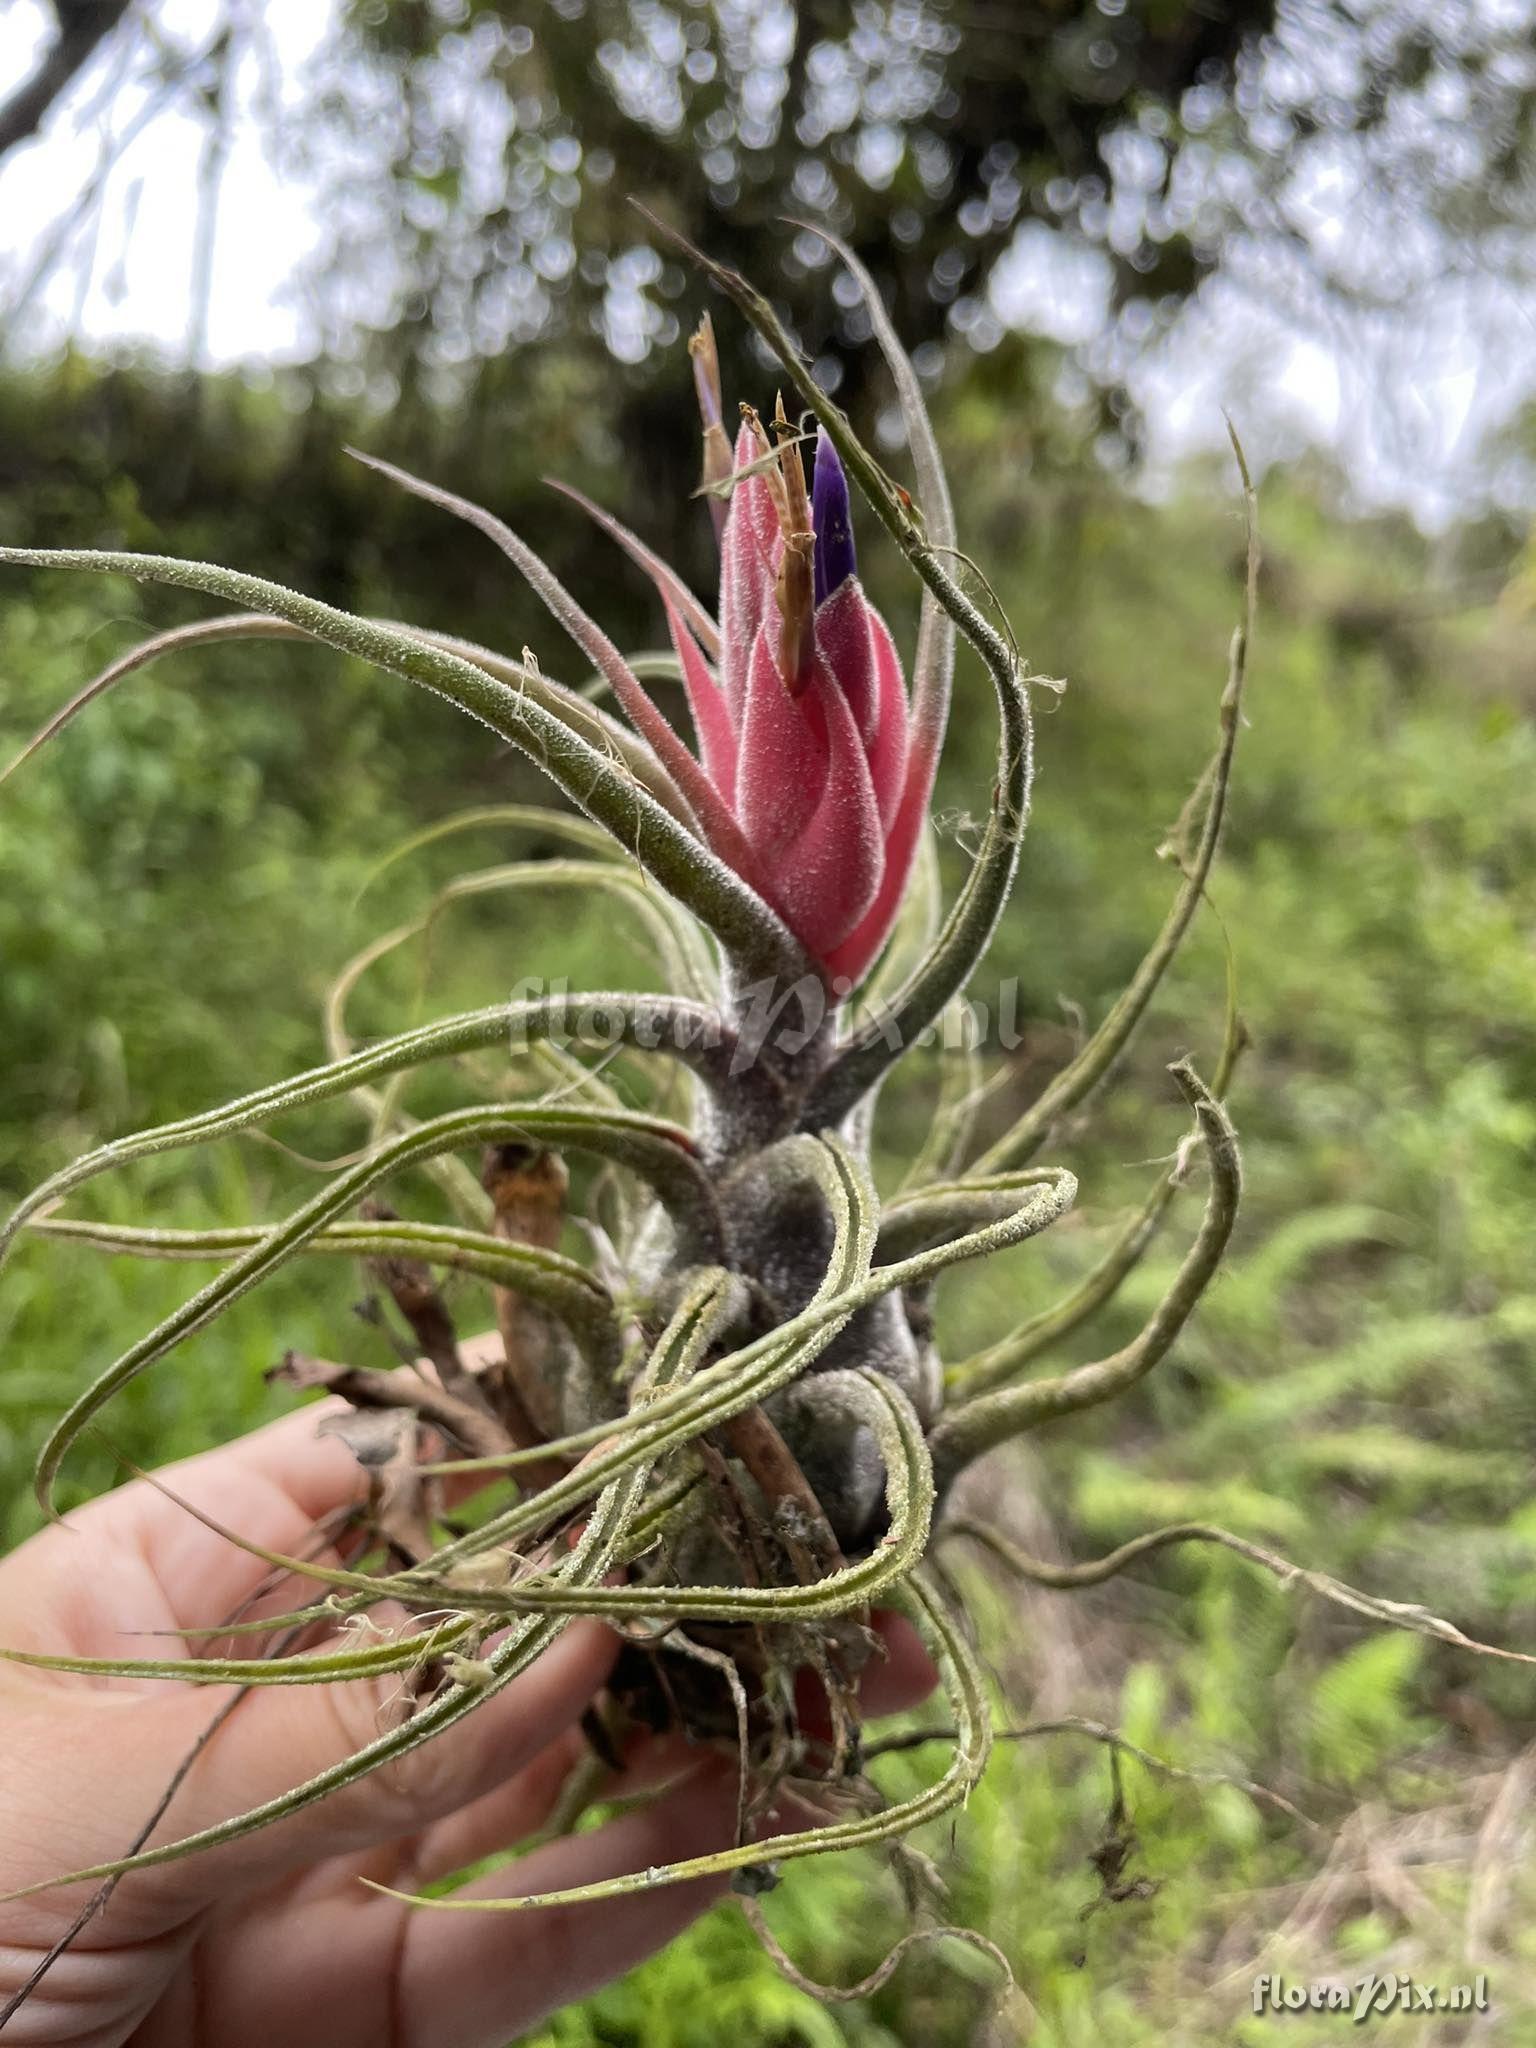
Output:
x=807 y=780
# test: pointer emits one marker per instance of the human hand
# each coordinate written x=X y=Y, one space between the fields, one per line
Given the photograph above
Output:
x=271 y=1938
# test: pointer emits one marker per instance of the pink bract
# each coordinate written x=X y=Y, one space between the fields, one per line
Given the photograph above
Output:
x=810 y=786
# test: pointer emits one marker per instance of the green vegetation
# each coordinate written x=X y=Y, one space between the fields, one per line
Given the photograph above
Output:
x=179 y=881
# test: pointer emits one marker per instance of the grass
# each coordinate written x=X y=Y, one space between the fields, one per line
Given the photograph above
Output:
x=179 y=878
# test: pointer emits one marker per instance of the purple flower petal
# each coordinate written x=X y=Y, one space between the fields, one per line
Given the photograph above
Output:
x=832 y=517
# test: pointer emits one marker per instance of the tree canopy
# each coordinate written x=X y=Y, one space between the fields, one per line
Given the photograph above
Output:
x=1361 y=168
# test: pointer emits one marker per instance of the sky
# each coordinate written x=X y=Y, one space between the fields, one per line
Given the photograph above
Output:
x=141 y=283
x=1405 y=413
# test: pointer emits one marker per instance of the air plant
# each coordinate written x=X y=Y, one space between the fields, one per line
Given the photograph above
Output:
x=730 y=1433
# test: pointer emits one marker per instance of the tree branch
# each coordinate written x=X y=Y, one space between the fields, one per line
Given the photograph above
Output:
x=83 y=24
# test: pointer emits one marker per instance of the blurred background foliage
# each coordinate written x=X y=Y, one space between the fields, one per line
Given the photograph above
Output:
x=182 y=875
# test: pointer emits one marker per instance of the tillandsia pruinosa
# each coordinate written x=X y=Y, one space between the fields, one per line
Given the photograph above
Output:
x=729 y=1432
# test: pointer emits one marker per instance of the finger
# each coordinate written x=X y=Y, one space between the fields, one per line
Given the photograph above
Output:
x=286 y=1735
x=136 y=1561
x=270 y=1488
x=314 y=1473
x=512 y=1811
x=317 y=1470
x=904 y=1676
x=274 y=1740
x=474 y=1980
x=893 y=1681
x=357 y=1969
x=897 y=1676
x=501 y=1818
